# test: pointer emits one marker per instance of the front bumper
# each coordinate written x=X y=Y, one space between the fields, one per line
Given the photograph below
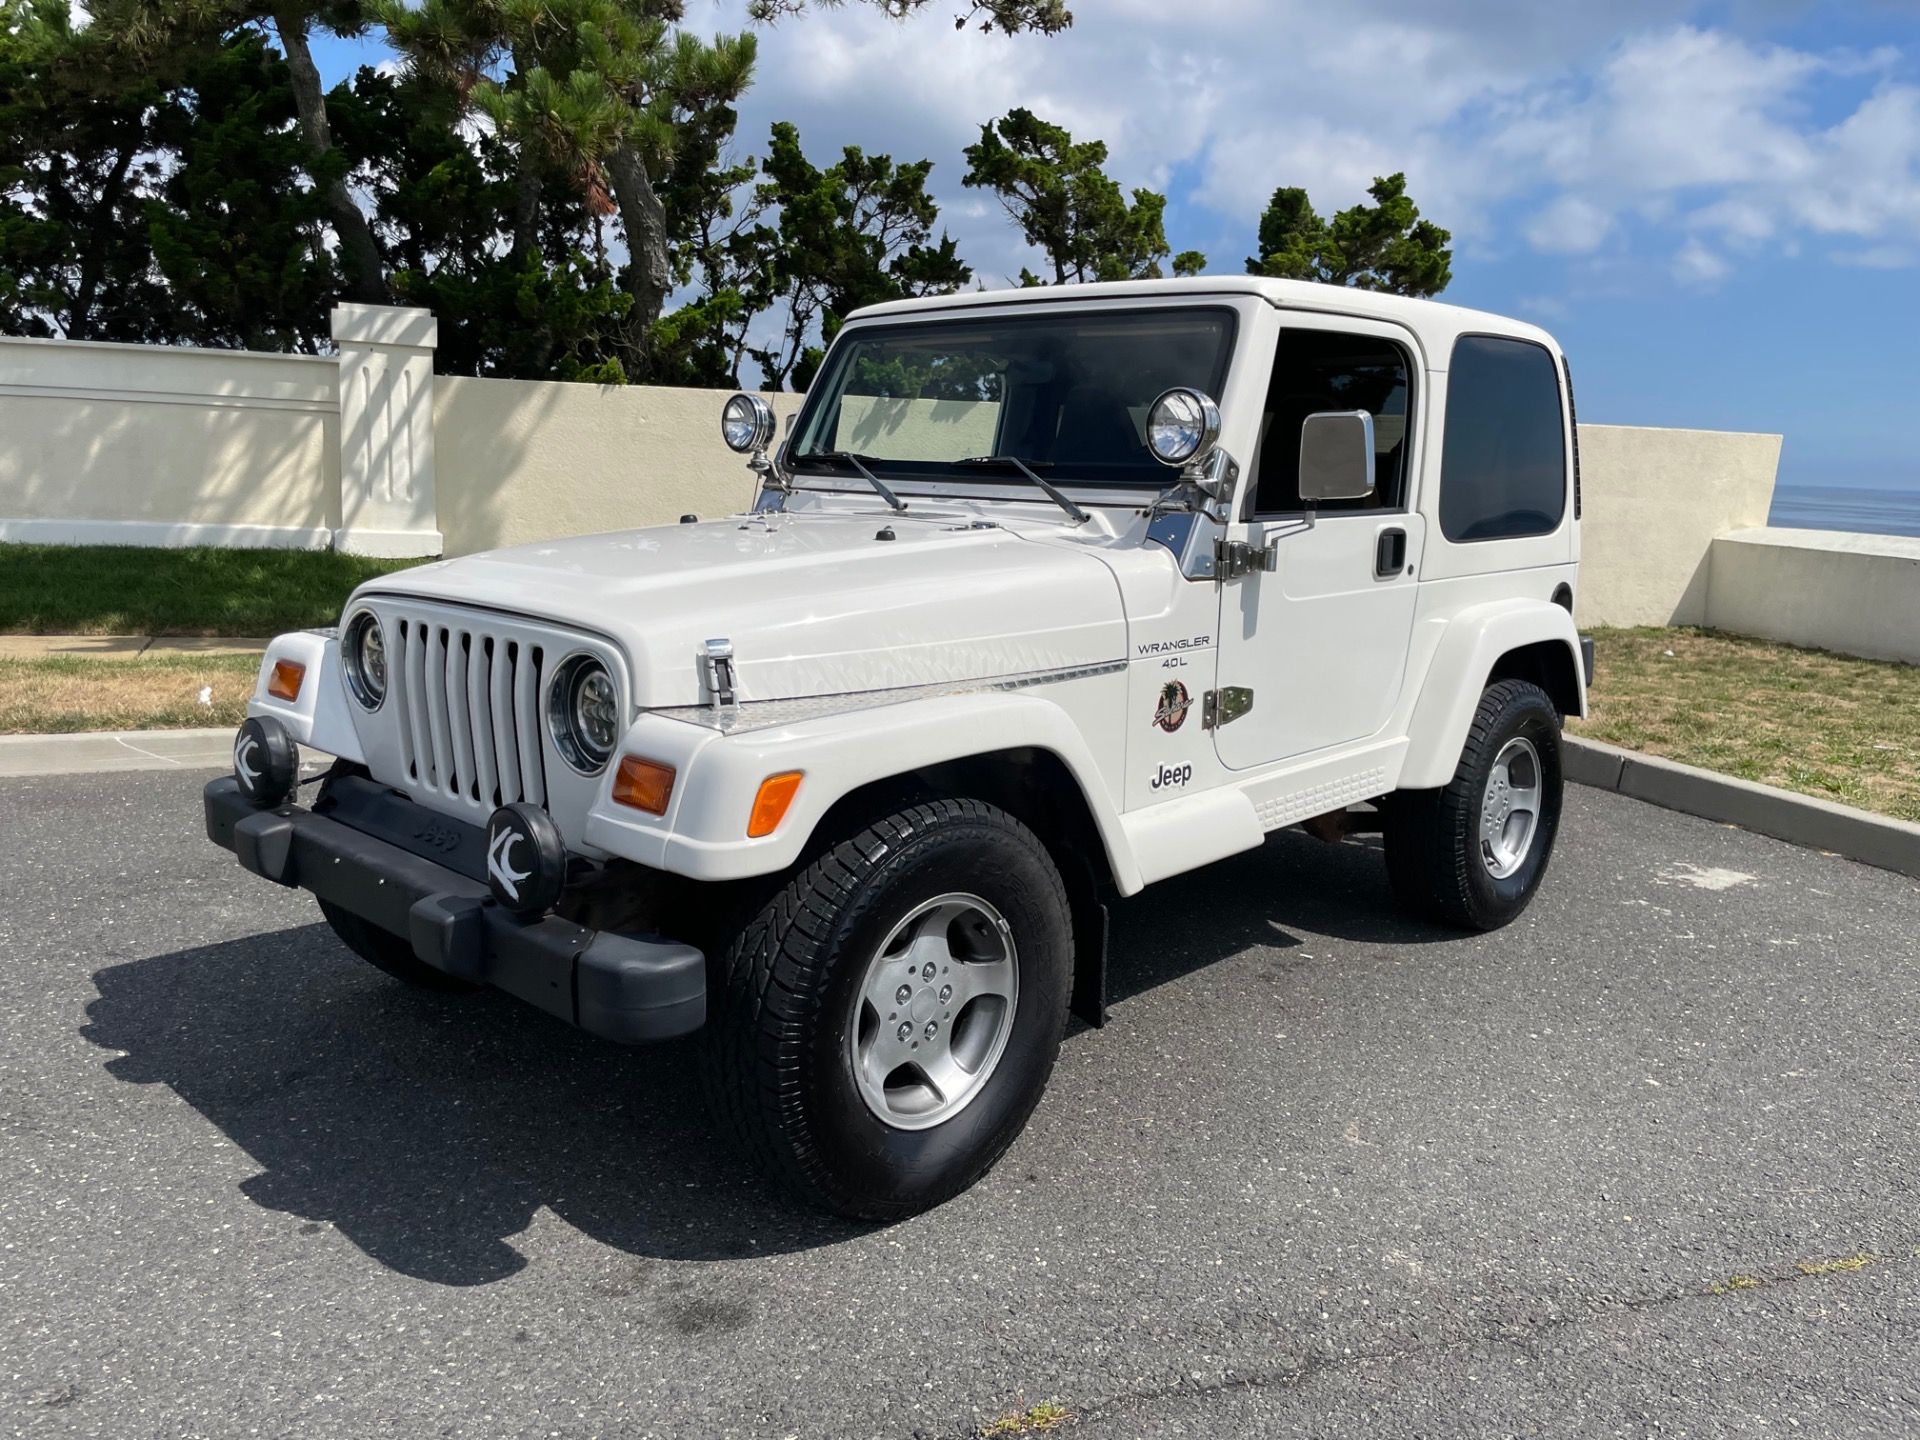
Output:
x=615 y=986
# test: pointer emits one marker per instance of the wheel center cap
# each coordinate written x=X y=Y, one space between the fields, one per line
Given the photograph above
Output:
x=925 y=1002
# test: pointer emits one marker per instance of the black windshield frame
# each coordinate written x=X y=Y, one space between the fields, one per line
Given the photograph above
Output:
x=1066 y=389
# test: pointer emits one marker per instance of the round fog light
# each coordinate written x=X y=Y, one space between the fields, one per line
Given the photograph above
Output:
x=746 y=424
x=1182 y=424
x=266 y=763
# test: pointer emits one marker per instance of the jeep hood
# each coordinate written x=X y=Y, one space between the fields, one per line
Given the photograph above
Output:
x=814 y=604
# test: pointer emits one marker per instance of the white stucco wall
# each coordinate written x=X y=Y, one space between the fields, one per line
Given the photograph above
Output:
x=144 y=444
x=524 y=460
x=1858 y=594
x=1652 y=503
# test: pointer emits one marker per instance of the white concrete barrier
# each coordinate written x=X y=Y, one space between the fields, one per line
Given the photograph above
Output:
x=1857 y=594
x=1653 y=502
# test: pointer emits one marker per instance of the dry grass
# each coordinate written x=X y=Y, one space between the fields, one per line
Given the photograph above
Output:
x=1041 y=1419
x=1822 y=724
x=68 y=693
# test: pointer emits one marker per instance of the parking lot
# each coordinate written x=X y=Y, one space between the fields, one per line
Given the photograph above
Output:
x=1642 y=1163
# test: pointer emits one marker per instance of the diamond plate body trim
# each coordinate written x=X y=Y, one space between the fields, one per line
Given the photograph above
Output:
x=1337 y=794
x=768 y=714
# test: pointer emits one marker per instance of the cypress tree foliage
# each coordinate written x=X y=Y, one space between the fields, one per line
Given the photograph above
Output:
x=859 y=232
x=1383 y=246
x=550 y=177
x=1055 y=190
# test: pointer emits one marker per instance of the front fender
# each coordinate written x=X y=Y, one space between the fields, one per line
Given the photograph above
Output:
x=318 y=716
x=1472 y=644
x=703 y=835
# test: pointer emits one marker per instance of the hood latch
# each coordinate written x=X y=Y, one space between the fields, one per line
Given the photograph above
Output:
x=716 y=660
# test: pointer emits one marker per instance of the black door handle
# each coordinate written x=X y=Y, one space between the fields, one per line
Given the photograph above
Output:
x=1390 y=554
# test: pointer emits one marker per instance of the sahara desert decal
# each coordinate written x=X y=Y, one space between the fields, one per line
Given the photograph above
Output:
x=1171 y=712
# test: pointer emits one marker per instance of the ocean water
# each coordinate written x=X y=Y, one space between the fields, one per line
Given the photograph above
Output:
x=1834 y=507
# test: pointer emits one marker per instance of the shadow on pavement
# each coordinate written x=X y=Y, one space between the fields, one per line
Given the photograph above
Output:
x=428 y=1129
x=1290 y=886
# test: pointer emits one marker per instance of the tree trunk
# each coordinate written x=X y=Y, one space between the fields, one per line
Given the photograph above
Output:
x=365 y=272
x=649 y=270
x=80 y=322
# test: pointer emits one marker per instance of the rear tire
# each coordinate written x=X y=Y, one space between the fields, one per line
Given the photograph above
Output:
x=1473 y=853
x=858 y=1101
x=388 y=952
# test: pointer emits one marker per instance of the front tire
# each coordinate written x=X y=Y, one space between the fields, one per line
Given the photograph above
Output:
x=885 y=1026
x=1473 y=853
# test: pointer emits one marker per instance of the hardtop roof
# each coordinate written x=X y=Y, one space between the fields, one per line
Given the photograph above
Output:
x=1436 y=323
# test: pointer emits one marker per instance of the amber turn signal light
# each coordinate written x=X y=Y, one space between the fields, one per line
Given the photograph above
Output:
x=644 y=784
x=770 y=805
x=284 y=683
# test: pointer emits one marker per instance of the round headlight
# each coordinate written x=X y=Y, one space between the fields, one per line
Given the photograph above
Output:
x=1183 y=423
x=583 y=714
x=747 y=423
x=363 y=656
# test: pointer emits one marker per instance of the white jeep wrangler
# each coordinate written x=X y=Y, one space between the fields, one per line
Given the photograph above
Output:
x=1048 y=594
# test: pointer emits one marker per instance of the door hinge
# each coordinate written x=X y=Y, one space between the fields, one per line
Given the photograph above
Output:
x=1224 y=706
x=1234 y=558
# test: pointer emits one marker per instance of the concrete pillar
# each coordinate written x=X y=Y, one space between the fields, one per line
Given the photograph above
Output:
x=387 y=502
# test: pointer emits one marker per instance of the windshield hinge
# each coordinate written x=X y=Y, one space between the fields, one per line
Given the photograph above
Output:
x=1224 y=706
x=716 y=659
x=1234 y=558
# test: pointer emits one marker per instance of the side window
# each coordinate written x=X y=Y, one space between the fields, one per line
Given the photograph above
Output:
x=1318 y=370
x=1503 y=469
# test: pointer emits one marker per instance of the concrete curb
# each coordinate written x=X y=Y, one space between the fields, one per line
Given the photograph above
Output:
x=1798 y=819
x=103 y=752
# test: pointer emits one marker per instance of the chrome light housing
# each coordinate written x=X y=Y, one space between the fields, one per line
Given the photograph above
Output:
x=583 y=713
x=747 y=424
x=1182 y=425
x=363 y=659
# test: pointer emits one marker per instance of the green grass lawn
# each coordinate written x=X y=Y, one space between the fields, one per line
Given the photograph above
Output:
x=1822 y=724
x=134 y=590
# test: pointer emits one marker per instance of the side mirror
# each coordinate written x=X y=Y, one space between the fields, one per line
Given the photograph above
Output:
x=1336 y=456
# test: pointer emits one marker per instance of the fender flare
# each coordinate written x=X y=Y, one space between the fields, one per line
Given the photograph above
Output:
x=703 y=834
x=1473 y=642
x=318 y=718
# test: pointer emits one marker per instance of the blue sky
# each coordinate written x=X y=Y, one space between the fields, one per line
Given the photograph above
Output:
x=1715 y=207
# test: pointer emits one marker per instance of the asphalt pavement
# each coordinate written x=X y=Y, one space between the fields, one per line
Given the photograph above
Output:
x=1642 y=1163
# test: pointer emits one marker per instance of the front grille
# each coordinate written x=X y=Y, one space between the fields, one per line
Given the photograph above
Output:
x=469 y=713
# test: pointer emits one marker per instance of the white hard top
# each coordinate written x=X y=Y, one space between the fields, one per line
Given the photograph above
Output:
x=1437 y=324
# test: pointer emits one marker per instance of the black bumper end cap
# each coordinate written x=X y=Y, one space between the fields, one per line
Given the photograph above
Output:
x=446 y=931
x=264 y=844
x=632 y=991
x=1586 y=656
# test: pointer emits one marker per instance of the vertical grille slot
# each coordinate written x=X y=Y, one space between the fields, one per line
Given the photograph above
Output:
x=467 y=708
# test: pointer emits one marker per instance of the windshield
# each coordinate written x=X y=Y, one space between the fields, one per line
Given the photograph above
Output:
x=1067 y=393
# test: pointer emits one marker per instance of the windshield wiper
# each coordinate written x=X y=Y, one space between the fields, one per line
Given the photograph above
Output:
x=858 y=462
x=1053 y=493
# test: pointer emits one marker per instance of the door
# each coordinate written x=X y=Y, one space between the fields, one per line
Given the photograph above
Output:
x=1321 y=640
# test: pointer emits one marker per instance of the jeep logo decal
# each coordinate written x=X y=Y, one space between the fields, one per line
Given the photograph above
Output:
x=1171 y=777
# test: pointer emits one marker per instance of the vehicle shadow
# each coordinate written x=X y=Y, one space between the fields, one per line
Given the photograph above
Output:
x=1292 y=886
x=428 y=1129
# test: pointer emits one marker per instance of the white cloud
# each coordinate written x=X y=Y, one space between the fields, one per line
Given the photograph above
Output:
x=1697 y=265
x=1556 y=128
